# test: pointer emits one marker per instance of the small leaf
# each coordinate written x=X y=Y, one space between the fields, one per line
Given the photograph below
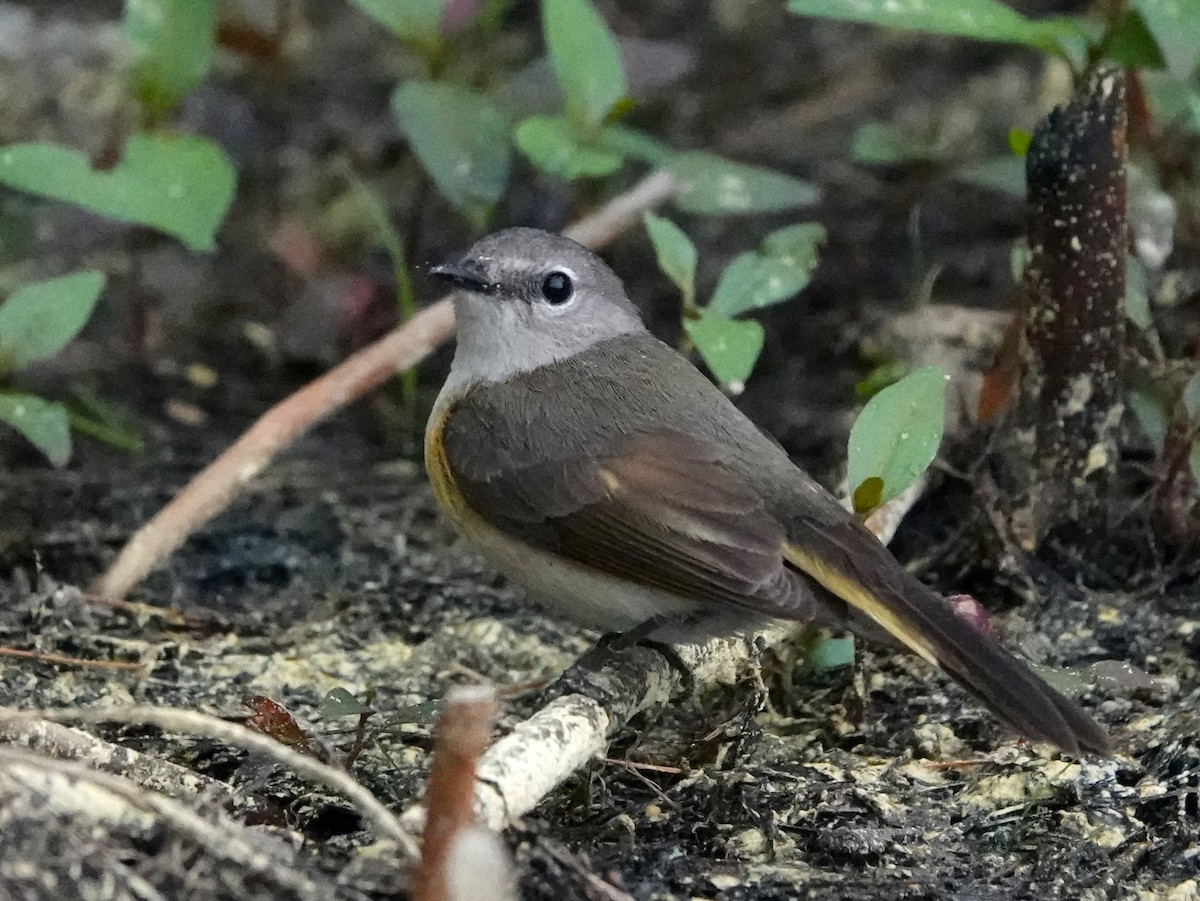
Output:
x=729 y=347
x=554 y=146
x=1137 y=294
x=868 y=495
x=897 y=434
x=415 y=22
x=884 y=144
x=828 y=653
x=42 y=422
x=462 y=141
x=1019 y=140
x=339 y=702
x=634 y=143
x=779 y=269
x=1191 y=398
x=1002 y=174
x=984 y=20
x=711 y=185
x=1175 y=25
x=172 y=43
x=38 y=319
x=1131 y=44
x=675 y=252
x=176 y=184
x=586 y=60
x=1152 y=415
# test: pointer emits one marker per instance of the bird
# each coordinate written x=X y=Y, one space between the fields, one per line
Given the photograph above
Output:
x=598 y=468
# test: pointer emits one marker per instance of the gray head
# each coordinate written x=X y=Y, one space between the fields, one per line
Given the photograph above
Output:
x=526 y=298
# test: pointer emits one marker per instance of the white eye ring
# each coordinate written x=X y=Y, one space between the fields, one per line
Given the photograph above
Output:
x=558 y=287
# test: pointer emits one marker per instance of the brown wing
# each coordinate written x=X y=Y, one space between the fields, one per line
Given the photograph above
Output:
x=660 y=509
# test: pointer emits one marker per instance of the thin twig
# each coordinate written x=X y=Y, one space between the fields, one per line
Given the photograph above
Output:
x=61 y=660
x=219 y=483
x=192 y=722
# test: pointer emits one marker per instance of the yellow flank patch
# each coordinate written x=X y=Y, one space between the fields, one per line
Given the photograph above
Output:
x=438 y=467
x=860 y=599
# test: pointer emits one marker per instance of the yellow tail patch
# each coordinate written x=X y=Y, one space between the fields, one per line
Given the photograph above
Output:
x=860 y=599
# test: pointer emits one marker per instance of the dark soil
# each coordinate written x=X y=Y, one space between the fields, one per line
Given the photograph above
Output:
x=335 y=570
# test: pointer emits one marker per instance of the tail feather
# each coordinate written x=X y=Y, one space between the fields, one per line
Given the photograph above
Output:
x=848 y=561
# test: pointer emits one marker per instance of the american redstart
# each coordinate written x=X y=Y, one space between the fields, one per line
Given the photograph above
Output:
x=597 y=467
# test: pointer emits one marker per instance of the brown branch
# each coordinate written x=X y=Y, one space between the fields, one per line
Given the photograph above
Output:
x=462 y=736
x=219 y=483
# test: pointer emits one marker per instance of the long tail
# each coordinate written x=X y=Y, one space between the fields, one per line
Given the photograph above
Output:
x=848 y=561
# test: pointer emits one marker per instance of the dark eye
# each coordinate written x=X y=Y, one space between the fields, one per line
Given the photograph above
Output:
x=558 y=288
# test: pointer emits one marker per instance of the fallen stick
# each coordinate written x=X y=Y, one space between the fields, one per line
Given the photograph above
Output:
x=212 y=490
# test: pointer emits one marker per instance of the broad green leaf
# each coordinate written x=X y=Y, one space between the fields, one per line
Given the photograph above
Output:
x=586 y=60
x=43 y=423
x=38 y=319
x=1175 y=25
x=554 y=145
x=776 y=271
x=462 y=141
x=172 y=43
x=675 y=252
x=729 y=347
x=176 y=184
x=712 y=185
x=1152 y=415
x=984 y=20
x=1002 y=174
x=1137 y=294
x=1191 y=398
x=897 y=434
x=415 y=22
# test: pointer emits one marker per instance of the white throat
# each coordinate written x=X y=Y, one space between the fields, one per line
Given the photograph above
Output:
x=500 y=339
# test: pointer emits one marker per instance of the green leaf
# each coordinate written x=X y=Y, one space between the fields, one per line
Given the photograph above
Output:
x=1194 y=461
x=1131 y=44
x=462 y=141
x=1152 y=415
x=172 y=43
x=729 y=347
x=984 y=20
x=1137 y=294
x=675 y=252
x=339 y=702
x=586 y=60
x=1175 y=25
x=42 y=422
x=417 y=23
x=38 y=319
x=1191 y=398
x=1019 y=141
x=829 y=653
x=1002 y=174
x=897 y=435
x=711 y=185
x=555 y=146
x=176 y=184
x=884 y=144
x=779 y=269
x=634 y=143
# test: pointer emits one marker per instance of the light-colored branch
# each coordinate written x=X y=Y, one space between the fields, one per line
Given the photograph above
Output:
x=212 y=490
x=191 y=722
